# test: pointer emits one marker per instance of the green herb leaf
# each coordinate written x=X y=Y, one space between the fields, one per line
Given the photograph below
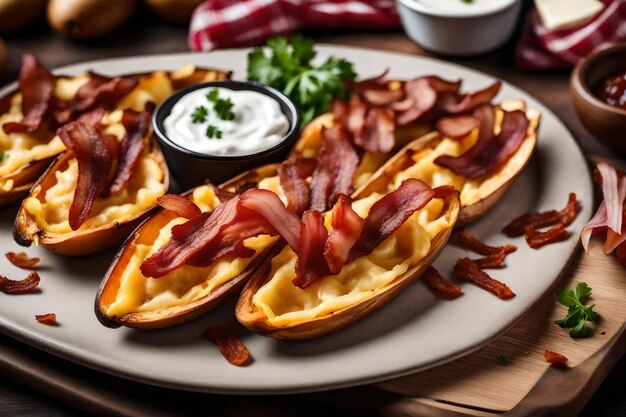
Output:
x=288 y=68
x=212 y=132
x=223 y=108
x=213 y=95
x=578 y=315
x=199 y=114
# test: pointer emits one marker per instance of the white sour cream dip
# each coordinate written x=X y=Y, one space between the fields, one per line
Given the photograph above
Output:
x=258 y=124
x=459 y=6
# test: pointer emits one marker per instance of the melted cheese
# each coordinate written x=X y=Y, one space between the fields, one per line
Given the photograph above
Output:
x=284 y=304
x=51 y=215
x=138 y=293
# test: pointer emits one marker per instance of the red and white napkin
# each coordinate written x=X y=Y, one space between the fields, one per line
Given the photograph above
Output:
x=540 y=49
x=223 y=23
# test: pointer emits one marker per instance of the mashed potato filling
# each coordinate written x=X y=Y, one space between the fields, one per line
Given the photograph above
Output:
x=138 y=293
x=283 y=303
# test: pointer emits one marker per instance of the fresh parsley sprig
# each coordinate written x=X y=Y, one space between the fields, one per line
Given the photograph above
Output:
x=578 y=315
x=199 y=114
x=212 y=132
x=288 y=68
x=222 y=106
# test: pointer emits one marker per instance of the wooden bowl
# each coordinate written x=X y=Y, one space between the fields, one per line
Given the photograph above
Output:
x=607 y=123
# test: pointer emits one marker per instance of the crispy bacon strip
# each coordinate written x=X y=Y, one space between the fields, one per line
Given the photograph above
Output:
x=267 y=204
x=310 y=265
x=471 y=242
x=180 y=205
x=293 y=174
x=492 y=261
x=94 y=154
x=547 y=218
x=456 y=127
x=441 y=286
x=388 y=214
x=382 y=97
x=189 y=238
x=93 y=117
x=346 y=229
x=537 y=239
x=467 y=269
x=454 y=104
x=336 y=164
x=21 y=260
x=49 y=319
x=482 y=159
x=25 y=286
x=421 y=98
x=554 y=358
x=377 y=82
x=231 y=347
x=99 y=91
x=377 y=134
x=37 y=88
x=137 y=125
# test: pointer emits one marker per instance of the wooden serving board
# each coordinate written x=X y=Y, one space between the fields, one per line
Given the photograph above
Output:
x=479 y=384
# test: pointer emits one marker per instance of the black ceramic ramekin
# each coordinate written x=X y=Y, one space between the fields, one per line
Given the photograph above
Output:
x=190 y=168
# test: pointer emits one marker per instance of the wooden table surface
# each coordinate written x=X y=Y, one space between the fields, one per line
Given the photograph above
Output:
x=146 y=35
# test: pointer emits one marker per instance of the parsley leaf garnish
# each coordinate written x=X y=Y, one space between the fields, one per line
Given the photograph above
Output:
x=577 y=314
x=288 y=68
x=224 y=109
x=213 y=132
x=213 y=95
x=199 y=114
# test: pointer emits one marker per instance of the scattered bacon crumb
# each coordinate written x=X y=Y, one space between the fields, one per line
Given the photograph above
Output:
x=21 y=260
x=470 y=241
x=492 y=261
x=229 y=345
x=180 y=205
x=441 y=286
x=50 y=319
x=547 y=218
x=537 y=239
x=27 y=285
x=467 y=269
x=554 y=358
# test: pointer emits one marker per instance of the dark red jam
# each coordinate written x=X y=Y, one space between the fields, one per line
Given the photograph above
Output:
x=613 y=90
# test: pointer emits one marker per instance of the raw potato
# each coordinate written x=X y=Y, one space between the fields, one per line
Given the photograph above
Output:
x=175 y=11
x=15 y=14
x=88 y=19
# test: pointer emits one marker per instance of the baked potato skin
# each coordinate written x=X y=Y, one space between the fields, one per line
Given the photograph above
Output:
x=146 y=233
x=78 y=242
x=252 y=318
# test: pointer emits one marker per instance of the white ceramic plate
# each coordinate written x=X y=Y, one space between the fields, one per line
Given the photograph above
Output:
x=414 y=332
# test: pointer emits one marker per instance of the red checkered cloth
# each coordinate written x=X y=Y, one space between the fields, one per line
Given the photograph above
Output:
x=540 y=49
x=222 y=23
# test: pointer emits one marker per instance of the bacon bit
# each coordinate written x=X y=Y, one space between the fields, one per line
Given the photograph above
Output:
x=50 y=319
x=388 y=214
x=382 y=97
x=554 y=358
x=441 y=286
x=137 y=125
x=547 y=218
x=231 y=347
x=377 y=134
x=21 y=260
x=537 y=239
x=492 y=261
x=471 y=242
x=92 y=118
x=37 y=87
x=347 y=226
x=456 y=127
x=487 y=155
x=99 y=91
x=313 y=237
x=25 y=286
x=293 y=174
x=467 y=269
x=453 y=104
x=421 y=99
x=180 y=205
x=375 y=83
x=94 y=154
x=336 y=164
x=189 y=238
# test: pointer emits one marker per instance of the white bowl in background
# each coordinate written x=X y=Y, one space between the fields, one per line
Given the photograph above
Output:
x=462 y=29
